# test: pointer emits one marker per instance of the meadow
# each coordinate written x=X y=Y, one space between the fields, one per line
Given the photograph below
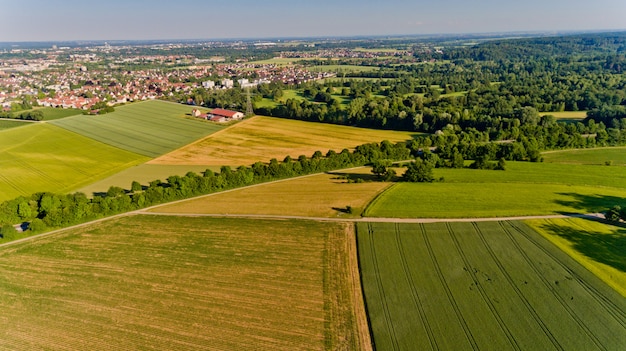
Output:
x=43 y=157
x=161 y=282
x=615 y=156
x=320 y=195
x=490 y=285
x=263 y=138
x=51 y=113
x=597 y=246
x=150 y=128
x=523 y=189
x=10 y=123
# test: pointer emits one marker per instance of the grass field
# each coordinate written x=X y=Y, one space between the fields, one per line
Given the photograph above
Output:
x=598 y=246
x=523 y=189
x=43 y=157
x=491 y=285
x=567 y=115
x=51 y=113
x=264 y=138
x=320 y=195
x=342 y=68
x=173 y=283
x=11 y=123
x=598 y=156
x=150 y=128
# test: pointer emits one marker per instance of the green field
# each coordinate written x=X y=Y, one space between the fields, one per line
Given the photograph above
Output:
x=522 y=189
x=598 y=246
x=614 y=155
x=51 y=113
x=491 y=285
x=150 y=128
x=11 y=123
x=43 y=157
x=342 y=68
x=174 y=283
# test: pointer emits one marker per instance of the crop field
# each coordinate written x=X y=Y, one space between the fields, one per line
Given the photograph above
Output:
x=173 y=283
x=614 y=155
x=489 y=285
x=10 y=123
x=598 y=246
x=522 y=189
x=264 y=138
x=43 y=157
x=321 y=195
x=150 y=128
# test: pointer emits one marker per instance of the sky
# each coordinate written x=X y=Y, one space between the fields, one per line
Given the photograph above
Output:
x=69 y=20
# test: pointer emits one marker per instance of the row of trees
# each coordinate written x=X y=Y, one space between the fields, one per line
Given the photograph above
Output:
x=48 y=210
x=33 y=115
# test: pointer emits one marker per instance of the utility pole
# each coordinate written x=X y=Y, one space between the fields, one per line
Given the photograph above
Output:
x=249 y=110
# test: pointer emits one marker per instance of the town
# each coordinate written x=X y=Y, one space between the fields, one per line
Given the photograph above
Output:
x=82 y=77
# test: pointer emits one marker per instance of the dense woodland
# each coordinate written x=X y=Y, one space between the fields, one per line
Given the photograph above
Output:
x=489 y=92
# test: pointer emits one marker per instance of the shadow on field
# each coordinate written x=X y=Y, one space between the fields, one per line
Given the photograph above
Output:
x=604 y=248
x=590 y=203
x=365 y=177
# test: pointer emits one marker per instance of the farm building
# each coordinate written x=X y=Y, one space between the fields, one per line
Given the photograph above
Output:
x=218 y=115
x=227 y=114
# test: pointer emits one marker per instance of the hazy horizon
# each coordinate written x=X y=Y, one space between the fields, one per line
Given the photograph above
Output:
x=88 y=20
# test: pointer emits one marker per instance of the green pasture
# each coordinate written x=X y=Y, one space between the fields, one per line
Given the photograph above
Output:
x=615 y=156
x=179 y=283
x=488 y=285
x=12 y=123
x=150 y=128
x=522 y=189
x=342 y=68
x=51 y=113
x=596 y=245
x=44 y=157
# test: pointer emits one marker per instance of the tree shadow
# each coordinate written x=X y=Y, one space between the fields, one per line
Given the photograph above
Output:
x=609 y=249
x=353 y=177
x=590 y=203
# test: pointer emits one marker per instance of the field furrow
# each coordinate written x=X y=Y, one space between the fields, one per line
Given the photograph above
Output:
x=155 y=282
x=483 y=285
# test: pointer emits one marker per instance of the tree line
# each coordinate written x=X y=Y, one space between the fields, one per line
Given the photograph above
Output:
x=45 y=210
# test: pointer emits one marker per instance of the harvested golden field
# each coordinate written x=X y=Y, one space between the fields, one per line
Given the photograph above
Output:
x=264 y=138
x=171 y=283
x=320 y=195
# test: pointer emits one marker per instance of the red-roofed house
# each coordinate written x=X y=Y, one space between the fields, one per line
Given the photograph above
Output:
x=227 y=114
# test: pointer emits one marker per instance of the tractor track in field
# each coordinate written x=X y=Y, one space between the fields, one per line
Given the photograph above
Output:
x=610 y=307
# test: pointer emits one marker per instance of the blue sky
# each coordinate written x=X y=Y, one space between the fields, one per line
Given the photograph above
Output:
x=50 y=20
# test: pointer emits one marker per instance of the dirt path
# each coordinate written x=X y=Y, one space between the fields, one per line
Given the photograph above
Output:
x=376 y=219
